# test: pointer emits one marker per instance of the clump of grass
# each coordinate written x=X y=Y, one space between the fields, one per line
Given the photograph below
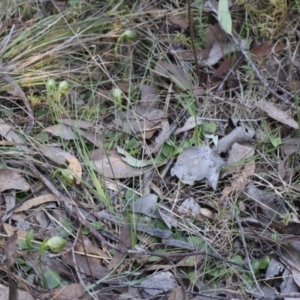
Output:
x=265 y=18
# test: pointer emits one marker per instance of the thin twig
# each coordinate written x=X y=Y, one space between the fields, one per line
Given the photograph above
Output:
x=79 y=233
x=246 y=251
x=230 y=71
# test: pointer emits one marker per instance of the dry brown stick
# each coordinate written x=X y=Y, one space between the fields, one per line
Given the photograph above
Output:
x=248 y=260
x=21 y=94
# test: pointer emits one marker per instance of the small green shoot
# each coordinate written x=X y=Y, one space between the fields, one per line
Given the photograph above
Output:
x=276 y=141
x=287 y=218
x=27 y=243
x=258 y=265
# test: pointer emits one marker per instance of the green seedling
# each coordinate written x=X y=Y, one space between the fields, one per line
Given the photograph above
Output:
x=276 y=141
x=27 y=243
x=258 y=265
x=287 y=218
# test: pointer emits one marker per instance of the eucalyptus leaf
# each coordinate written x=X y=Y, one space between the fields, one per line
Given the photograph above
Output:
x=224 y=16
x=137 y=163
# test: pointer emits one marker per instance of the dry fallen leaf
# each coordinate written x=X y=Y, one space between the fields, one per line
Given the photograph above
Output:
x=214 y=33
x=175 y=73
x=9 y=250
x=179 y=20
x=188 y=55
x=240 y=134
x=76 y=123
x=149 y=96
x=71 y=291
x=12 y=180
x=167 y=216
x=7 y=132
x=288 y=285
x=158 y=283
x=239 y=182
x=60 y=157
x=196 y=163
x=9 y=229
x=190 y=123
x=290 y=249
x=28 y=204
x=146 y=205
x=258 y=52
x=10 y=202
x=277 y=114
x=93 y=137
x=189 y=207
x=22 y=295
x=87 y=265
x=176 y=294
x=143 y=119
x=113 y=166
x=208 y=213
x=270 y=204
x=63 y=131
x=274 y=269
x=224 y=67
x=237 y=153
x=161 y=138
x=290 y=146
x=218 y=50
x=90 y=248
